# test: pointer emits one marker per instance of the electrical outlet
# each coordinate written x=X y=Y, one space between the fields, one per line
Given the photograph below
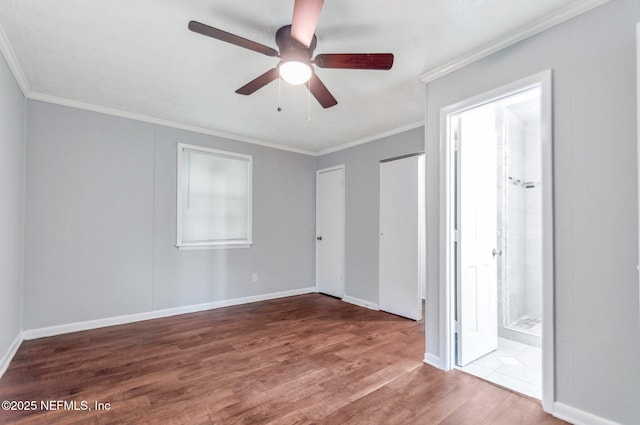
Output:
x=254 y=278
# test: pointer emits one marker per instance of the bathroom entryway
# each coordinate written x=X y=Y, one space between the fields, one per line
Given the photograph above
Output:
x=498 y=203
x=512 y=365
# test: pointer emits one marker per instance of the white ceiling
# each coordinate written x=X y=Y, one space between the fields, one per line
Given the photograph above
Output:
x=138 y=57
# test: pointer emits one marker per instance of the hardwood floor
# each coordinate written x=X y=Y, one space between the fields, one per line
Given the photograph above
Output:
x=309 y=359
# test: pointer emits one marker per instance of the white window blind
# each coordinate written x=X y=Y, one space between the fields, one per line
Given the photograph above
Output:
x=214 y=198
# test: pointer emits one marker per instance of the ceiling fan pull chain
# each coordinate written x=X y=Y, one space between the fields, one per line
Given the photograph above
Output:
x=279 y=94
x=309 y=103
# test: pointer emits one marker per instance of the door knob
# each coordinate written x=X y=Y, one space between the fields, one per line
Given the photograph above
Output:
x=319 y=238
x=495 y=252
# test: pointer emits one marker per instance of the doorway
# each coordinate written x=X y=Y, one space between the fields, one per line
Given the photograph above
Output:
x=498 y=239
x=330 y=219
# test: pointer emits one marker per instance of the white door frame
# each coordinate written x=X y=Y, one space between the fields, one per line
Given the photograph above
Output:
x=447 y=211
x=638 y=141
x=344 y=206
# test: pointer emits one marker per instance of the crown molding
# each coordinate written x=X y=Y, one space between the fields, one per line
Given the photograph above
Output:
x=211 y=132
x=159 y=121
x=14 y=65
x=373 y=138
x=535 y=27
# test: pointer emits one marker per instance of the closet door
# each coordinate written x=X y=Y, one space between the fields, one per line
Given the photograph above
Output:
x=401 y=236
x=330 y=231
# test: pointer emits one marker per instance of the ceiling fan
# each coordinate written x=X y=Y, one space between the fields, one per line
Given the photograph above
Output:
x=296 y=43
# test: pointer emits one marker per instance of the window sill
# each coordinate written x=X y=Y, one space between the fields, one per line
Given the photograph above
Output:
x=201 y=247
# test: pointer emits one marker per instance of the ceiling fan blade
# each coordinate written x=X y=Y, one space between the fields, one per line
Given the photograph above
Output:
x=320 y=92
x=231 y=38
x=383 y=61
x=260 y=82
x=305 y=18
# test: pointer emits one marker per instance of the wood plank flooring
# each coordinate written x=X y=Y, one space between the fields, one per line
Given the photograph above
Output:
x=301 y=360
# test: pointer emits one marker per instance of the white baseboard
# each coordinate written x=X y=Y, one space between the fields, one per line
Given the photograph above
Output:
x=13 y=349
x=432 y=360
x=577 y=416
x=361 y=303
x=156 y=314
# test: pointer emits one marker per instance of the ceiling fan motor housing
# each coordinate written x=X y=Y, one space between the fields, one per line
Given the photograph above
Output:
x=291 y=49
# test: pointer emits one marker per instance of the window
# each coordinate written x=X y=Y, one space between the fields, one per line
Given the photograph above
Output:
x=214 y=198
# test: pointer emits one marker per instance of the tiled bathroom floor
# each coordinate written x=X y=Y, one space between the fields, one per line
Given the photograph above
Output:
x=513 y=365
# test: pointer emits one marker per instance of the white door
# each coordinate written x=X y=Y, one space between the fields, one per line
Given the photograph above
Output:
x=330 y=231
x=477 y=314
x=401 y=236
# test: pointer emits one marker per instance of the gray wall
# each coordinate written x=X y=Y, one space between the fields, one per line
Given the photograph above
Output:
x=595 y=189
x=12 y=121
x=101 y=219
x=362 y=176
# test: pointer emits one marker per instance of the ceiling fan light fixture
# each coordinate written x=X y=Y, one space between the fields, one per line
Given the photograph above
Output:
x=295 y=72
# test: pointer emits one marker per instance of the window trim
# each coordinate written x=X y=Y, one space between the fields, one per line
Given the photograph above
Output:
x=222 y=244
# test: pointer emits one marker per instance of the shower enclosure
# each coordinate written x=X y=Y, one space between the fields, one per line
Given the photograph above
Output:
x=519 y=265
